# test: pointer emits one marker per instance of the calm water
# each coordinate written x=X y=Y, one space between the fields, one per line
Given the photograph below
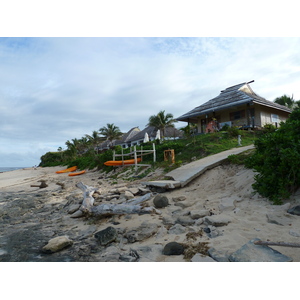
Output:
x=6 y=169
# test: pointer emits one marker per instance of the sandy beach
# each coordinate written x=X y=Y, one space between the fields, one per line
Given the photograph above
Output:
x=224 y=191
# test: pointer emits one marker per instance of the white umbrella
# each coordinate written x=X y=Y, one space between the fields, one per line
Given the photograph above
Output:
x=157 y=135
x=146 y=138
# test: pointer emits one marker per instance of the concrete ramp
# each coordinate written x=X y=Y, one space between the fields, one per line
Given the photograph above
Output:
x=185 y=174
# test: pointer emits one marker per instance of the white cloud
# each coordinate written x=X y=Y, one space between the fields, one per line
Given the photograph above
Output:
x=56 y=89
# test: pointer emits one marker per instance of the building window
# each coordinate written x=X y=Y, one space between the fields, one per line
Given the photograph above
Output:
x=236 y=115
x=274 y=118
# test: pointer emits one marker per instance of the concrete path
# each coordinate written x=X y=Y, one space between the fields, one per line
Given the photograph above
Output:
x=185 y=174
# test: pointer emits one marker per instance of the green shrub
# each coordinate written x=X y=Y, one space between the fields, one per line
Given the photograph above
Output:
x=277 y=161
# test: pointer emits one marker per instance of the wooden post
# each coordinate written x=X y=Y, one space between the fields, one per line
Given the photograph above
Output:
x=135 y=159
x=114 y=155
x=141 y=153
x=154 y=153
x=122 y=157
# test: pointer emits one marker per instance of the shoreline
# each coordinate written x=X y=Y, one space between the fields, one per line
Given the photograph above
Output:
x=224 y=191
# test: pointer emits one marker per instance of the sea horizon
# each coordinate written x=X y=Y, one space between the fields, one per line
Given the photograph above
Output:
x=7 y=169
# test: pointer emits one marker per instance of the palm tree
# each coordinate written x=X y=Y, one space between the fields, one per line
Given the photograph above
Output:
x=110 y=132
x=94 y=139
x=287 y=101
x=161 y=121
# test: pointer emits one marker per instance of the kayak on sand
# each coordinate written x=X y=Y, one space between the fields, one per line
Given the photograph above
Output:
x=72 y=169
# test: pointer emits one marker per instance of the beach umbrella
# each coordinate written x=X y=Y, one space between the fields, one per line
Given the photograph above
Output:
x=157 y=135
x=146 y=138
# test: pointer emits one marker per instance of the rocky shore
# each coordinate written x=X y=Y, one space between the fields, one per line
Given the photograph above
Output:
x=216 y=218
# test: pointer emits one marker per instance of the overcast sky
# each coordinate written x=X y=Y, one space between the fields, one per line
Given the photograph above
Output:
x=56 y=89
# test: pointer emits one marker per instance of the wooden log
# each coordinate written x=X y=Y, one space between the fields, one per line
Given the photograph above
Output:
x=266 y=243
x=132 y=206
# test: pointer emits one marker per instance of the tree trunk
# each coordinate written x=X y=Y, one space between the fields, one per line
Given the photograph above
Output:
x=132 y=206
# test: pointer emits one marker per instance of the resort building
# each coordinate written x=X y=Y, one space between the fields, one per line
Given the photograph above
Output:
x=238 y=106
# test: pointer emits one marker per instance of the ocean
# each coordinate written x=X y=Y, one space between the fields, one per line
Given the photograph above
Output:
x=7 y=169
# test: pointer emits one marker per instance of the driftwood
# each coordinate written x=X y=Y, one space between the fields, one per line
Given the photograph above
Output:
x=263 y=243
x=132 y=206
x=42 y=185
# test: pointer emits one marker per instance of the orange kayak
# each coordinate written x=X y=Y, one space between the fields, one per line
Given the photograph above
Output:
x=120 y=163
x=77 y=173
x=72 y=169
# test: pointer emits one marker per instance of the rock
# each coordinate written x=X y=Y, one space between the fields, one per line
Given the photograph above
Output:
x=294 y=233
x=294 y=210
x=212 y=231
x=142 y=232
x=149 y=253
x=180 y=198
x=173 y=248
x=217 y=255
x=227 y=204
x=57 y=244
x=110 y=254
x=106 y=236
x=200 y=258
x=73 y=208
x=177 y=229
x=77 y=214
x=134 y=191
x=167 y=220
x=279 y=218
x=185 y=221
x=128 y=195
x=257 y=253
x=143 y=191
x=160 y=201
x=217 y=220
x=131 y=257
x=197 y=214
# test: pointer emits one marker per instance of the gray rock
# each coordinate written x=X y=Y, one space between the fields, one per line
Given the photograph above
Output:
x=218 y=255
x=106 y=236
x=110 y=254
x=217 y=220
x=57 y=244
x=180 y=198
x=200 y=258
x=142 y=232
x=128 y=195
x=167 y=220
x=185 y=221
x=199 y=213
x=227 y=204
x=149 y=253
x=160 y=201
x=173 y=248
x=279 y=218
x=177 y=229
x=295 y=233
x=294 y=210
x=257 y=253
x=73 y=208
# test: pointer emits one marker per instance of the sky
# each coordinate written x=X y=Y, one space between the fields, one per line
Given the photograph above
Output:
x=54 y=89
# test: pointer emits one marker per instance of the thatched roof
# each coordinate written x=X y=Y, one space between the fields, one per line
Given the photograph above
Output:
x=232 y=96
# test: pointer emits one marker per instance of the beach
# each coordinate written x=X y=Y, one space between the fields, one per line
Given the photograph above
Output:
x=217 y=211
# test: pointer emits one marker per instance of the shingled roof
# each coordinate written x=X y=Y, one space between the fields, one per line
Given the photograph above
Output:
x=232 y=96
